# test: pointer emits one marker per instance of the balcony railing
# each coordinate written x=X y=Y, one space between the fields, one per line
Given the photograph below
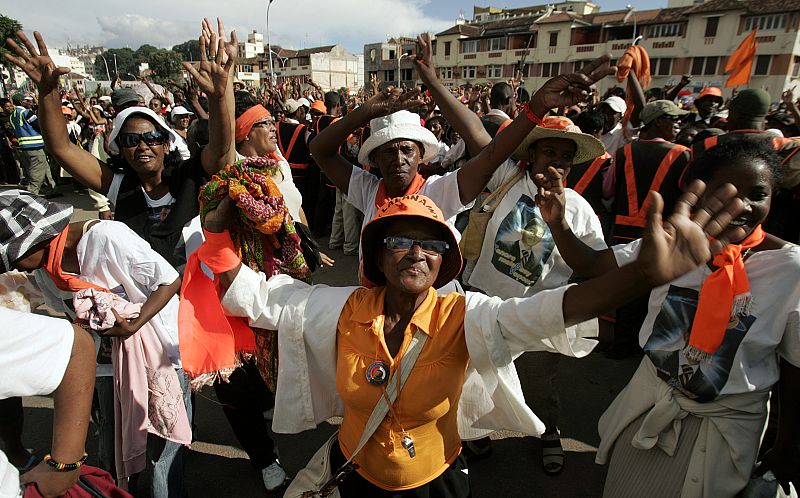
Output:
x=585 y=48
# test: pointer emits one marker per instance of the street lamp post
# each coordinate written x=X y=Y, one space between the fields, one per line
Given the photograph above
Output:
x=269 y=45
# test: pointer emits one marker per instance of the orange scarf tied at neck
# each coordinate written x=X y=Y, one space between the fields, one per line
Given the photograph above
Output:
x=725 y=294
x=64 y=281
x=382 y=196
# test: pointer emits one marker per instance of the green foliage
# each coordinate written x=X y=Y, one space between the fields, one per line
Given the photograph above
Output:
x=120 y=60
x=188 y=50
x=8 y=29
x=165 y=64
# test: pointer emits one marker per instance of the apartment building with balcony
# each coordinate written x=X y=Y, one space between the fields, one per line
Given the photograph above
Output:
x=390 y=62
x=686 y=37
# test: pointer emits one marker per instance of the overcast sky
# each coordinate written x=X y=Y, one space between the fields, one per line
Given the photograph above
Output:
x=293 y=23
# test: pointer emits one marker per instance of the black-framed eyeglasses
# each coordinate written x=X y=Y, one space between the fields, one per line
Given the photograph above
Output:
x=156 y=137
x=671 y=117
x=405 y=244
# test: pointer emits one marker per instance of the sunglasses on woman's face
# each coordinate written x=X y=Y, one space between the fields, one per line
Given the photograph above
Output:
x=266 y=124
x=405 y=244
x=151 y=138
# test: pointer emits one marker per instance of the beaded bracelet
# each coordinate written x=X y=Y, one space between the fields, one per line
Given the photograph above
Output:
x=531 y=115
x=65 y=467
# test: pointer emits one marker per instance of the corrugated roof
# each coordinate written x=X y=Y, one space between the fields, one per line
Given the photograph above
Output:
x=314 y=50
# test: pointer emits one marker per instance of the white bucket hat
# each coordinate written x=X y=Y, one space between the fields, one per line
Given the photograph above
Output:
x=179 y=110
x=401 y=124
x=120 y=119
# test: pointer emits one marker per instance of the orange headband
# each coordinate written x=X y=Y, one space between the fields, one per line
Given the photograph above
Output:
x=245 y=122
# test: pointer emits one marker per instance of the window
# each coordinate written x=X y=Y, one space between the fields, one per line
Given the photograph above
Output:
x=406 y=74
x=553 y=38
x=712 y=23
x=661 y=67
x=469 y=73
x=494 y=71
x=665 y=30
x=446 y=73
x=550 y=69
x=433 y=46
x=246 y=68
x=497 y=44
x=447 y=49
x=392 y=54
x=388 y=75
x=775 y=21
x=704 y=65
x=796 y=67
x=469 y=46
x=762 y=65
x=578 y=65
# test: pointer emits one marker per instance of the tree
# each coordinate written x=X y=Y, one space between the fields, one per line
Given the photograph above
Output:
x=165 y=64
x=125 y=62
x=8 y=29
x=144 y=52
x=188 y=50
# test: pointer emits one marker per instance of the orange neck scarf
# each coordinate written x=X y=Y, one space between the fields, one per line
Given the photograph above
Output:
x=64 y=281
x=382 y=196
x=725 y=294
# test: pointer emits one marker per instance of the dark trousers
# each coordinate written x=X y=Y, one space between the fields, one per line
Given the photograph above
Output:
x=326 y=205
x=12 y=418
x=453 y=483
x=244 y=400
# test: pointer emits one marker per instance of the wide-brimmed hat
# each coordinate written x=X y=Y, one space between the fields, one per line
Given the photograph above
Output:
x=180 y=110
x=587 y=149
x=27 y=220
x=123 y=116
x=426 y=211
x=399 y=125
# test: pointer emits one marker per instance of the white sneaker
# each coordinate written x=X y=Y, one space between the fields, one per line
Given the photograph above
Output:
x=274 y=476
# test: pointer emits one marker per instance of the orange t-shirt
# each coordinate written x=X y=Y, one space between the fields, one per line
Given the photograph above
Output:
x=427 y=406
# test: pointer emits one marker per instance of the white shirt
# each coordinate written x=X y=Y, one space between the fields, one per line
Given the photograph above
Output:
x=496 y=332
x=519 y=257
x=747 y=360
x=111 y=255
x=618 y=136
x=34 y=352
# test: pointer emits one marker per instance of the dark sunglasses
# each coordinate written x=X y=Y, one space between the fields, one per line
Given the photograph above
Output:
x=671 y=118
x=404 y=244
x=156 y=137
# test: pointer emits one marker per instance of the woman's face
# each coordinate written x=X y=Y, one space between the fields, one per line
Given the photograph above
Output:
x=182 y=121
x=263 y=136
x=398 y=161
x=435 y=127
x=143 y=157
x=556 y=152
x=753 y=181
x=412 y=271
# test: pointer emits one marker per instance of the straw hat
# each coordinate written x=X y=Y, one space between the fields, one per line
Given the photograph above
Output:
x=588 y=147
x=426 y=211
x=400 y=124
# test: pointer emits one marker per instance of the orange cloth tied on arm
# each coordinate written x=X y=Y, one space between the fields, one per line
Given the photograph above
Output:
x=740 y=63
x=211 y=343
x=245 y=122
x=634 y=59
x=724 y=295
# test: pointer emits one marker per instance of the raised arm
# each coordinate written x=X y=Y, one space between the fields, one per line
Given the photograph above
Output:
x=41 y=70
x=562 y=91
x=673 y=92
x=638 y=99
x=585 y=261
x=669 y=249
x=325 y=147
x=214 y=78
x=791 y=104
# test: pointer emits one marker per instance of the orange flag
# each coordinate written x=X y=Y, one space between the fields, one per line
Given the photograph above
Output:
x=740 y=63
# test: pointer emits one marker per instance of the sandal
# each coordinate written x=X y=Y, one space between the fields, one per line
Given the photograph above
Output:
x=552 y=454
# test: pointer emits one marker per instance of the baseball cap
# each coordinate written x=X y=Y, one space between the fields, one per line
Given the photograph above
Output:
x=291 y=106
x=657 y=108
x=122 y=96
x=616 y=103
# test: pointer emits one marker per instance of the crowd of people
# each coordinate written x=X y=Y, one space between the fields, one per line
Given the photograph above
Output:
x=488 y=221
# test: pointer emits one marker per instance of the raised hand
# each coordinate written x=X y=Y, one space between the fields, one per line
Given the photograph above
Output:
x=391 y=100
x=697 y=229
x=550 y=196
x=212 y=74
x=374 y=84
x=38 y=65
x=788 y=97
x=423 y=61
x=568 y=89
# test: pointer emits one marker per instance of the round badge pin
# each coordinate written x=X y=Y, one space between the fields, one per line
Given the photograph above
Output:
x=378 y=373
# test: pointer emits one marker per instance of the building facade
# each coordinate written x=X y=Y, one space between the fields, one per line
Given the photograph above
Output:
x=687 y=37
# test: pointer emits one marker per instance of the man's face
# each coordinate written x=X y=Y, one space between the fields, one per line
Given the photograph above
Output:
x=155 y=105
x=612 y=117
x=8 y=108
x=706 y=106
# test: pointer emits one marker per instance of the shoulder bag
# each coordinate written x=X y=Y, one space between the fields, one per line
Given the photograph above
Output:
x=317 y=479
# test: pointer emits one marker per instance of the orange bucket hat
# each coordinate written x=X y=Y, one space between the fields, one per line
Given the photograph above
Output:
x=427 y=212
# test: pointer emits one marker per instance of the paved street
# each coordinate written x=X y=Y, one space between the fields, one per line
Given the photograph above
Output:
x=217 y=467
